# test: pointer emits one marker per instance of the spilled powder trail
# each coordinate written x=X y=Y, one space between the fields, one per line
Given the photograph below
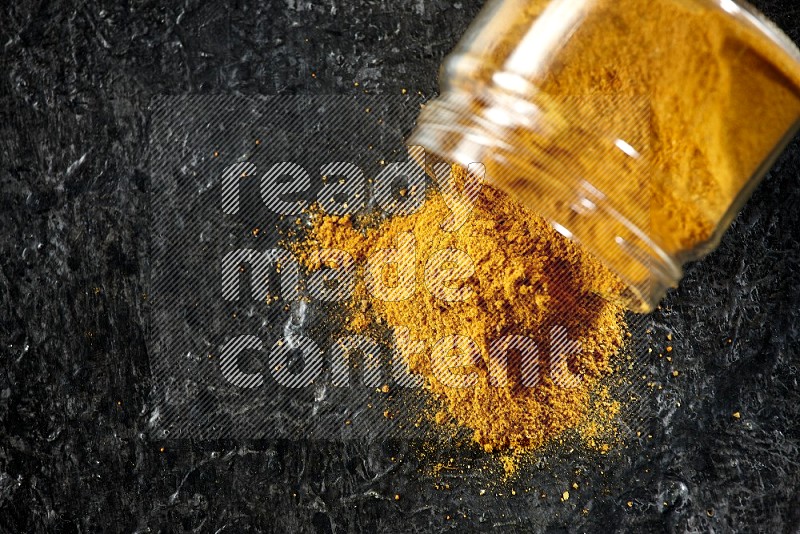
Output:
x=517 y=277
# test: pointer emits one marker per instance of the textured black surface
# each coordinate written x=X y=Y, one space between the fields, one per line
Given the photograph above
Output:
x=198 y=218
x=74 y=372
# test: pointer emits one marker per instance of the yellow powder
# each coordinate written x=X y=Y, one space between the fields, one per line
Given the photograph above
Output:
x=526 y=280
x=667 y=108
x=509 y=463
x=716 y=97
x=717 y=105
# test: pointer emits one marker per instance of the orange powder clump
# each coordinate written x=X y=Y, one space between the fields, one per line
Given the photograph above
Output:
x=516 y=277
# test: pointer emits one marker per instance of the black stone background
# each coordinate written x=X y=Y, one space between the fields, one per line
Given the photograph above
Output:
x=75 y=82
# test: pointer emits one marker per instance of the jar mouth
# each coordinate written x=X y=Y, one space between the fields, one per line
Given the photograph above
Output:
x=470 y=125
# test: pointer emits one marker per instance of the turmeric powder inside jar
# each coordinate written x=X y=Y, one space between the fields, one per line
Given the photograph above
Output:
x=527 y=281
x=668 y=109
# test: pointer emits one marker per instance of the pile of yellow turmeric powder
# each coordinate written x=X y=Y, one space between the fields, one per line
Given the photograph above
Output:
x=527 y=324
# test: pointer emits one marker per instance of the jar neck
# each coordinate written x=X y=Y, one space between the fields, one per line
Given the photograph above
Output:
x=547 y=155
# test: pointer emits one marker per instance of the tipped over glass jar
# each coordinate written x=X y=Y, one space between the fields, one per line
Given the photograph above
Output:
x=637 y=127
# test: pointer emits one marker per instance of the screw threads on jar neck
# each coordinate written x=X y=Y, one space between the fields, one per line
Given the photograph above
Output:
x=548 y=155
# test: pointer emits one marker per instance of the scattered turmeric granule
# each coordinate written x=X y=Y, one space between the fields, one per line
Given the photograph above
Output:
x=509 y=463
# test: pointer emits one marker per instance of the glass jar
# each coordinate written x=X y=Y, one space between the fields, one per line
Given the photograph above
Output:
x=637 y=127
